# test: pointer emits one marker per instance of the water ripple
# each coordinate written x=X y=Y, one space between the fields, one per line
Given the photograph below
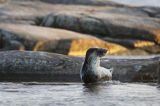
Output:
x=65 y=94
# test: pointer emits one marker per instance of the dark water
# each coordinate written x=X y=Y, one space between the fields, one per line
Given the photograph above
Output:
x=77 y=94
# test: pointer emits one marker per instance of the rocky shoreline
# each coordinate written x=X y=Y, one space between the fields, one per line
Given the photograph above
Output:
x=67 y=28
x=135 y=29
x=42 y=66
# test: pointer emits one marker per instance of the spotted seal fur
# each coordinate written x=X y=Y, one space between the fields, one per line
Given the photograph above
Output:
x=91 y=70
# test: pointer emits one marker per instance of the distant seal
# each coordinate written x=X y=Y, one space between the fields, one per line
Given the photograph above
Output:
x=91 y=70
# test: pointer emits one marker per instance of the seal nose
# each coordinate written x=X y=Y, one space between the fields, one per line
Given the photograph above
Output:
x=105 y=50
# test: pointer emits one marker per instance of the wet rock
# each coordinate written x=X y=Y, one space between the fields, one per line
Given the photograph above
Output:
x=134 y=68
x=37 y=66
x=42 y=66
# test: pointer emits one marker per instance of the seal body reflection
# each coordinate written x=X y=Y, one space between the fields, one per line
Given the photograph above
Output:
x=91 y=70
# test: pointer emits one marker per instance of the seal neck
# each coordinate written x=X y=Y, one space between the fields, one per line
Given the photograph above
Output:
x=92 y=62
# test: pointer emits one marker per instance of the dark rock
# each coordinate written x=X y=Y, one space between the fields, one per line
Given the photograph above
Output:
x=102 y=24
x=1 y=42
x=37 y=66
x=151 y=11
x=133 y=11
x=159 y=74
x=130 y=43
x=85 y=2
x=42 y=66
x=134 y=68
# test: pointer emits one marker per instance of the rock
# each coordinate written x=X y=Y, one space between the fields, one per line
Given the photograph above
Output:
x=3 y=1
x=126 y=10
x=132 y=52
x=107 y=24
x=42 y=66
x=137 y=47
x=1 y=44
x=37 y=66
x=159 y=76
x=151 y=11
x=27 y=11
x=130 y=43
x=84 y=2
x=54 y=40
x=12 y=45
x=133 y=68
x=152 y=49
x=100 y=18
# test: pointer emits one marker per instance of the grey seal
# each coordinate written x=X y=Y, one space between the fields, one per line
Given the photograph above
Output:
x=91 y=70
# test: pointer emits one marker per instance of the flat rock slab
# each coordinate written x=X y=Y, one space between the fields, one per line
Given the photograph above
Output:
x=101 y=18
x=53 y=40
x=37 y=66
x=105 y=24
x=42 y=66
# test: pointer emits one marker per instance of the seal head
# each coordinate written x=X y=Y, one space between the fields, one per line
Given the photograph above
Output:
x=99 y=52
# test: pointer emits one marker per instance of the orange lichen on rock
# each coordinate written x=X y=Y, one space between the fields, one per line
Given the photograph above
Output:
x=39 y=45
x=80 y=46
x=140 y=44
x=157 y=35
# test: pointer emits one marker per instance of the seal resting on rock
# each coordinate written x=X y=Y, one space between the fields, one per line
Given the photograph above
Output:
x=91 y=70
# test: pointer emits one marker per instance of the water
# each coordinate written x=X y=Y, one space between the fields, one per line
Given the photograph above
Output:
x=140 y=2
x=77 y=94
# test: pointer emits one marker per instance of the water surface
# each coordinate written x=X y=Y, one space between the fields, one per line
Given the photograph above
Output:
x=77 y=94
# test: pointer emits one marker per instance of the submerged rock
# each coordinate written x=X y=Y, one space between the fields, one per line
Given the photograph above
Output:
x=42 y=66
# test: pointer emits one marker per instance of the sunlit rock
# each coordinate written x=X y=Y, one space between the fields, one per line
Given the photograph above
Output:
x=55 y=40
x=80 y=46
